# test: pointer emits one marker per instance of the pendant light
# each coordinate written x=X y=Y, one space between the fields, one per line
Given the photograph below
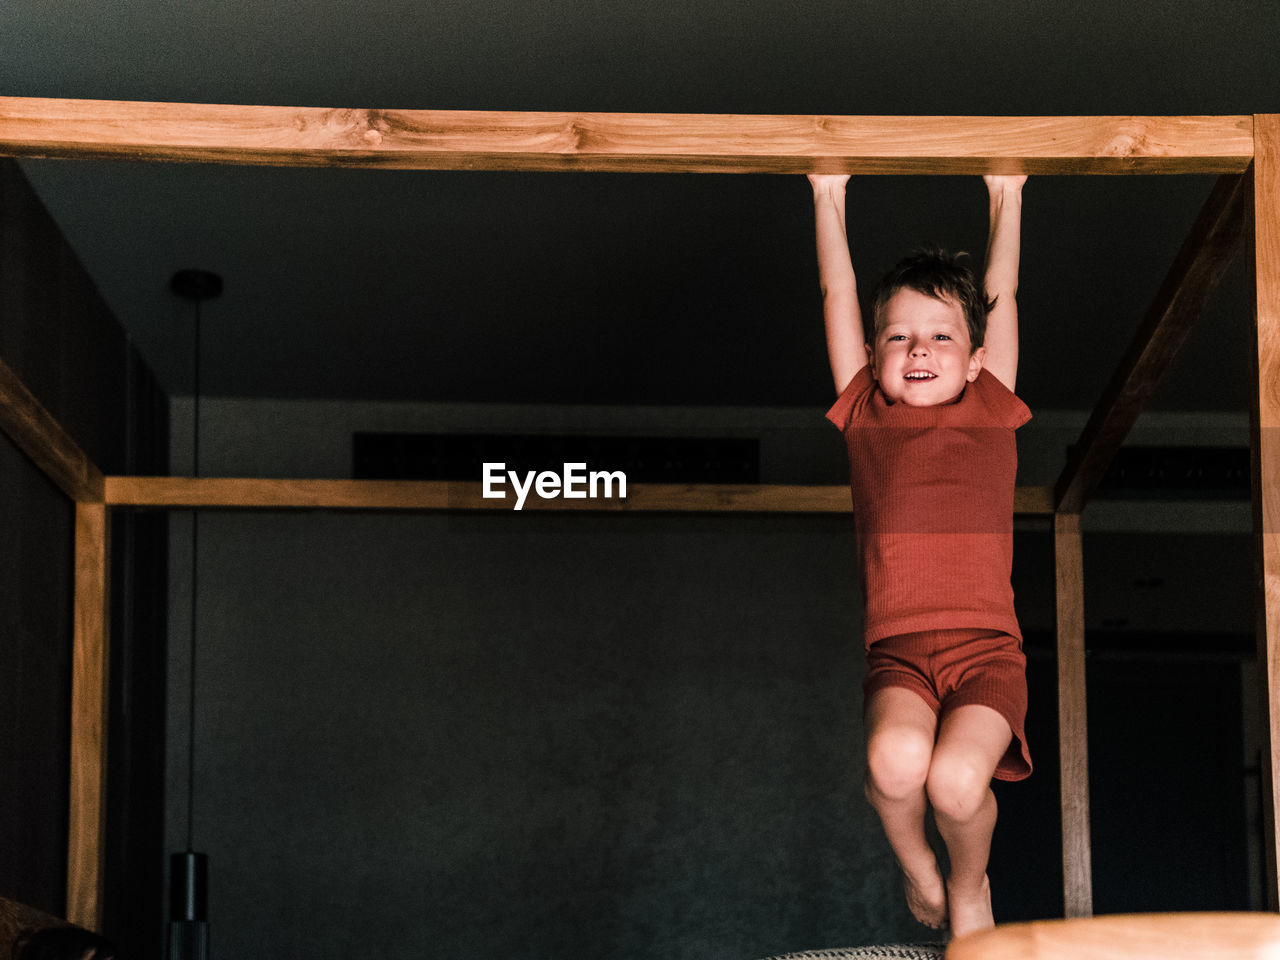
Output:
x=189 y=870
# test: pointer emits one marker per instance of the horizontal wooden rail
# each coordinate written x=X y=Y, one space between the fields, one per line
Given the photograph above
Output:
x=640 y=142
x=237 y=492
x=36 y=432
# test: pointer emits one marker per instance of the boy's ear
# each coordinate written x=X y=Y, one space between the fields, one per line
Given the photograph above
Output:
x=871 y=357
x=975 y=363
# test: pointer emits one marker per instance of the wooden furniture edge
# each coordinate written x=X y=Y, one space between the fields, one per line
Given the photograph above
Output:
x=19 y=921
x=1135 y=936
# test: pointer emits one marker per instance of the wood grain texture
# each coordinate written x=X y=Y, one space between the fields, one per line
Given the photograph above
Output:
x=1155 y=936
x=87 y=820
x=1196 y=271
x=38 y=435
x=1266 y=465
x=700 y=143
x=1073 y=738
x=440 y=495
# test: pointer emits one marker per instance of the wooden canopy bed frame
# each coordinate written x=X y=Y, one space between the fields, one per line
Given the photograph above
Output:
x=1242 y=208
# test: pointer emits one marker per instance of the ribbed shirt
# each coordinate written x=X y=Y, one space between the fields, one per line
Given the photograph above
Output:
x=933 y=506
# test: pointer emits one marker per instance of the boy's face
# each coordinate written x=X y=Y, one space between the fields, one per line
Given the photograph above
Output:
x=921 y=356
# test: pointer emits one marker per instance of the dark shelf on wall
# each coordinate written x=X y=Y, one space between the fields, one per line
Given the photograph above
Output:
x=1177 y=473
x=431 y=456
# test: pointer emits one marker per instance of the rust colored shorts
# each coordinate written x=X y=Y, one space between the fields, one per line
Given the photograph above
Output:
x=954 y=668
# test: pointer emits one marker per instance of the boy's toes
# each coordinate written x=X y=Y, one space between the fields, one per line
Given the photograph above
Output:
x=927 y=902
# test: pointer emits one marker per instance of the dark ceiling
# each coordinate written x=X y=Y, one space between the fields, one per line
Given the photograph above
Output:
x=620 y=288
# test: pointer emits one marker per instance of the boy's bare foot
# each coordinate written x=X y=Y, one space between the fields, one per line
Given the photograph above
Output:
x=970 y=909
x=927 y=897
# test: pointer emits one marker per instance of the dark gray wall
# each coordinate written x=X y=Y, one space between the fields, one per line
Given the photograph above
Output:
x=529 y=735
x=35 y=653
x=59 y=336
x=533 y=736
x=57 y=332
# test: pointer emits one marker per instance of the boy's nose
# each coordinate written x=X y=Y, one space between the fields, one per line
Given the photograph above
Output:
x=918 y=348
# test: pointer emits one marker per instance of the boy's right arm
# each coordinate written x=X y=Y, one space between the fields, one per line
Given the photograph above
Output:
x=842 y=316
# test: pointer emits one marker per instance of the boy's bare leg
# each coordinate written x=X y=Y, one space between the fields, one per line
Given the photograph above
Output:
x=900 y=735
x=971 y=741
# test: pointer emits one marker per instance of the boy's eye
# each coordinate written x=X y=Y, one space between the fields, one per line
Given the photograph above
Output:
x=941 y=336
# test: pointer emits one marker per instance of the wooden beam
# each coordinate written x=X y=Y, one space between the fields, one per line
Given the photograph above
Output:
x=87 y=822
x=1266 y=466
x=1196 y=271
x=37 y=434
x=1073 y=735
x=699 y=143
x=441 y=495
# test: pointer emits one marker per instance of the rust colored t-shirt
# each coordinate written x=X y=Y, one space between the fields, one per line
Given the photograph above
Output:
x=933 y=505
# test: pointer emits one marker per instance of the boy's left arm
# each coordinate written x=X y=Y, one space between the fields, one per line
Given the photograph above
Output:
x=1001 y=279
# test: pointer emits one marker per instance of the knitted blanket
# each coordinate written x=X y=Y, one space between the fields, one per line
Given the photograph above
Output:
x=895 y=951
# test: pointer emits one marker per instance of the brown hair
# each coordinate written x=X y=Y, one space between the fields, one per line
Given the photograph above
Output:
x=936 y=273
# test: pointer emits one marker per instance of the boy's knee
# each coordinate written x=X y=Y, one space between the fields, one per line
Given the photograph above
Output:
x=897 y=762
x=957 y=787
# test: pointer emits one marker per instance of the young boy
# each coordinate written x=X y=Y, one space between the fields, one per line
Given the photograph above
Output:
x=927 y=407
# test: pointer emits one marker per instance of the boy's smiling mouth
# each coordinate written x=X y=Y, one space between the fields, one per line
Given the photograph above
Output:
x=919 y=375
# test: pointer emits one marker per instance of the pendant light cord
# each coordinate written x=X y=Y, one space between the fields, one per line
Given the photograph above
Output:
x=195 y=553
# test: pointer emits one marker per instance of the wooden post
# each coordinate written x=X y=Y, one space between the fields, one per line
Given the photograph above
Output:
x=87 y=820
x=1266 y=462
x=1073 y=741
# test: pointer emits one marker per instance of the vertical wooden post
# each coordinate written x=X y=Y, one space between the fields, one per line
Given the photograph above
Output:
x=1266 y=461
x=1073 y=741
x=87 y=821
